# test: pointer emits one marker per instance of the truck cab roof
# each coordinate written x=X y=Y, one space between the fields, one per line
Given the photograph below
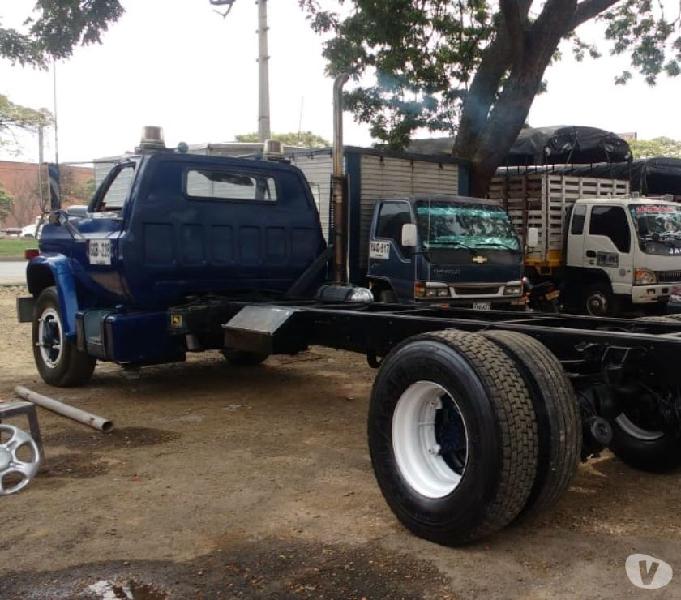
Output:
x=626 y=200
x=444 y=198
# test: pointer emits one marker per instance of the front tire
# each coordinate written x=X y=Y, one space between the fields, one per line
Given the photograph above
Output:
x=452 y=436
x=57 y=358
x=599 y=301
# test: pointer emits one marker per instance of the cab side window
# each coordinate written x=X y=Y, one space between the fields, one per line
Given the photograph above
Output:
x=117 y=193
x=611 y=221
x=391 y=217
x=578 y=218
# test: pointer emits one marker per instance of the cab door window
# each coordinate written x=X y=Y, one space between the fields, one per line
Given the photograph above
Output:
x=391 y=217
x=118 y=190
x=611 y=221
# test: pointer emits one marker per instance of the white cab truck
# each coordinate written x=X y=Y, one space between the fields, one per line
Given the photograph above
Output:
x=606 y=250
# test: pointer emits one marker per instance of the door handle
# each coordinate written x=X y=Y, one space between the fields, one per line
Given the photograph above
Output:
x=590 y=254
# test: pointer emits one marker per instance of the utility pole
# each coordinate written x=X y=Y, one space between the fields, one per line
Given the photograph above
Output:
x=264 y=131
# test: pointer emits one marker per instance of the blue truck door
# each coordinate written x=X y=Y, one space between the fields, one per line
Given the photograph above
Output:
x=388 y=260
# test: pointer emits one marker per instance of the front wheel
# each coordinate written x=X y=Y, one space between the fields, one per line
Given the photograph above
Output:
x=599 y=301
x=57 y=358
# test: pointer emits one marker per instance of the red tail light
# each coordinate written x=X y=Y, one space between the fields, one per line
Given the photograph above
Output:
x=31 y=253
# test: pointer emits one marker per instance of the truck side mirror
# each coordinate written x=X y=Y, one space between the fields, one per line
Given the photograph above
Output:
x=533 y=237
x=409 y=235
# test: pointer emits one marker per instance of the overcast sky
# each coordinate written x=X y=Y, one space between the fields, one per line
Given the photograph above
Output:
x=178 y=64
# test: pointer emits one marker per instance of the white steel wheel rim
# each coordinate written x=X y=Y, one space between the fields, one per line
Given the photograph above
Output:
x=629 y=427
x=415 y=445
x=50 y=350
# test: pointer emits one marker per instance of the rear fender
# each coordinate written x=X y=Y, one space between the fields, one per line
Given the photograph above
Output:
x=44 y=271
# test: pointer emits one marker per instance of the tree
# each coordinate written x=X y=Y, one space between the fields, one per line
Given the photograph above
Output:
x=472 y=68
x=6 y=204
x=660 y=146
x=56 y=28
x=306 y=139
x=52 y=31
x=14 y=116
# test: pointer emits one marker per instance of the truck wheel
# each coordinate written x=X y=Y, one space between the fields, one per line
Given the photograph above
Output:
x=452 y=436
x=558 y=419
x=240 y=358
x=57 y=358
x=640 y=443
x=387 y=297
x=599 y=301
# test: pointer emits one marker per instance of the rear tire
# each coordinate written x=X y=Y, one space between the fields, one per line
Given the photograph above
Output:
x=57 y=358
x=387 y=297
x=470 y=471
x=643 y=447
x=558 y=419
x=240 y=358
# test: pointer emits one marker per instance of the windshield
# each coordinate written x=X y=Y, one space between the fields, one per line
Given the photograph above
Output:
x=658 y=227
x=455 y=225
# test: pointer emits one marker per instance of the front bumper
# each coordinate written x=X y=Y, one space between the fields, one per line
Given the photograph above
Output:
x=647 y=294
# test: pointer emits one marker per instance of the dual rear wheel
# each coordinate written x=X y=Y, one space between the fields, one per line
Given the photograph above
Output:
x=469 y=431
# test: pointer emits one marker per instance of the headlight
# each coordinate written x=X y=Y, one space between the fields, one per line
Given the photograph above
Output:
x=644 y=277
x=431 y=289
x=513 y=289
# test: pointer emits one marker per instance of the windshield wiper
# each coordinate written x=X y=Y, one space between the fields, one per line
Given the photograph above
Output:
x=499 y=245
x=455 y=243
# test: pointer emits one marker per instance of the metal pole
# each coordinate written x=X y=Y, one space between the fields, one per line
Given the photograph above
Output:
x=264 y=132
x=56 y=126
x=65 y=410
x=41 y=161
x=338 y=185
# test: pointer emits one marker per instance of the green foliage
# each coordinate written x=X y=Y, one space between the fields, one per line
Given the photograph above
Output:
x=426 y=63
x=306 y=139
x=6 y=203
x=660 y=146
x=55 y=28
x=15 y=247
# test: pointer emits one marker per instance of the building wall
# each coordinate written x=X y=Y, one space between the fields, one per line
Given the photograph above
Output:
x=20 y=180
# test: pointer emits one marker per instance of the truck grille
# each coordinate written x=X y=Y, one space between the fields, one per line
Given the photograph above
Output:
x=475 y=290
x=668 y=276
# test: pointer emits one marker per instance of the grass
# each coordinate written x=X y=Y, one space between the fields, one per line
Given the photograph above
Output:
x=14 y=247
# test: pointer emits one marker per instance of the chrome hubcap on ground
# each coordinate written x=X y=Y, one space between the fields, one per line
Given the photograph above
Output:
x=22 y=471
x=50 y=337
x=429 y=438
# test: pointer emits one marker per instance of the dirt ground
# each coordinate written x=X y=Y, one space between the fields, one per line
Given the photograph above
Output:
x=224 y=482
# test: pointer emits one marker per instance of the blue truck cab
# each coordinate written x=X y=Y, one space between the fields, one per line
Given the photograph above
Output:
x=448 y=248
x=161 y=229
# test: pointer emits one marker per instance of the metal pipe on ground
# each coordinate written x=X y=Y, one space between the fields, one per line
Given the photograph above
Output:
x=86 y=418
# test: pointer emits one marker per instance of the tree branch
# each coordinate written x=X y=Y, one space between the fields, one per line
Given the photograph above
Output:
x=588 y=9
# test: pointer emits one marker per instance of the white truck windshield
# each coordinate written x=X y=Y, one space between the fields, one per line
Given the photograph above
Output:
x=658 y=227
x=452 y=225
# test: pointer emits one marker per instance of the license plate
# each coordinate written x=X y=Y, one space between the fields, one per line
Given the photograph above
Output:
x=553 y=295
x=482 y=306
x=99 y=252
